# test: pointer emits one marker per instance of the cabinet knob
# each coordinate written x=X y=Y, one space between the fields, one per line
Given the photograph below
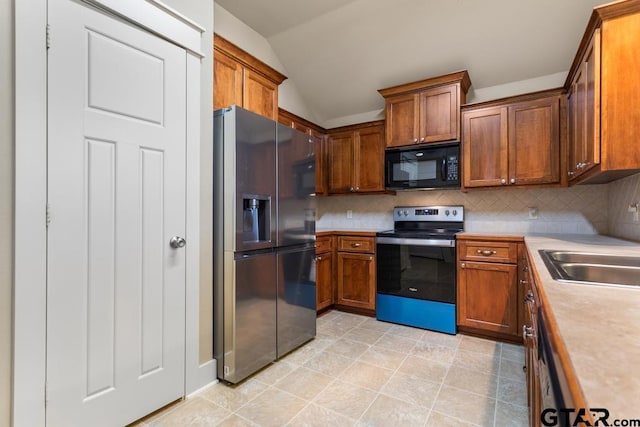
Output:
x=356 y=245
x=513 y=180
x=415 y=140
x=485 y=252
x=525 y=268
x=370 y=258
x=318 y=258
x=462 y=265
x=503 y=181
x=357 y=188
x=351 y=189
x=422 y=139
x=523 y=282
x=571 y=173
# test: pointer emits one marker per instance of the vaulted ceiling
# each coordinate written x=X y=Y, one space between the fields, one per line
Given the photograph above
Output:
x=339 y=52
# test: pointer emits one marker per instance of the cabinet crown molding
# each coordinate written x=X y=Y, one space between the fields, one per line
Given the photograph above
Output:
x=226 y=47
x=461 y=77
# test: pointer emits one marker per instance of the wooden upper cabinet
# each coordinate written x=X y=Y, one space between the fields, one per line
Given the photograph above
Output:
x=584 y=112
x=403 y=123
x=355 y=159
x=485 y=147
x=516 y=141
x=259 y=94
x=227 y=83
x=243 y=80
x=604 y=106
x=534 y=142
x=369 y=159
x=340 y=162
x=440 y=114
x=425 y=111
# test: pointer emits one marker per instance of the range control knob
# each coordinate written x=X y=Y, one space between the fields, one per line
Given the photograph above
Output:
x=406 y=212
x=455 y=212
x=447 y=212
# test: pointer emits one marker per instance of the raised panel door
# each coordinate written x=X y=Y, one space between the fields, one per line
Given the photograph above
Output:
x=324 y=280
x=320 y=153
x=592 y=103
x=356 y=280
x=402 y=120
x=340 y=162
x=534 y=142
x=369 y=160
x=485 y=147
x=488 y=297
x=259 y=94
x=439 y=114
x=227 y=81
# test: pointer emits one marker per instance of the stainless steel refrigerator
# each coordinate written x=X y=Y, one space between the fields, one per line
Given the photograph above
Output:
x=264 y=235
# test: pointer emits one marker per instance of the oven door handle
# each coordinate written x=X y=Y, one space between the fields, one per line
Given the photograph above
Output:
x=442 y=243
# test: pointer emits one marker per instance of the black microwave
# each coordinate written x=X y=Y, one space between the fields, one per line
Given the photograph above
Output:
x=426 y=167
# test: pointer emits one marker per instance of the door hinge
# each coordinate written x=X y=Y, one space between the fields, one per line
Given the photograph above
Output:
x=45 y=396
x=48 y=36
x=48 y=215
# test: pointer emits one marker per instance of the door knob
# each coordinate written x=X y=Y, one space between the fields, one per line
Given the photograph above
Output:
x=177 y=242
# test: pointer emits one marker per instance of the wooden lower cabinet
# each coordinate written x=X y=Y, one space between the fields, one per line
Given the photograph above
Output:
x=487 y=296
x=356 y=280
x=488 y=301
x=324 y=272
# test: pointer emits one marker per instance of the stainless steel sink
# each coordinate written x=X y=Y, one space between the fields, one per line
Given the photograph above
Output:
x=591 y=258
x=591 y=268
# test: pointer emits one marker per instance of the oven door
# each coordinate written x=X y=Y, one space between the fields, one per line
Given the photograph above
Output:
x=417 y=268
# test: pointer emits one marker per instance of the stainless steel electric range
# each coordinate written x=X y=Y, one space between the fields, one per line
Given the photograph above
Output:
x=416 y=267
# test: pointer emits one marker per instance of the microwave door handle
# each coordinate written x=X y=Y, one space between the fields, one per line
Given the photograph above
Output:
x=443 y=170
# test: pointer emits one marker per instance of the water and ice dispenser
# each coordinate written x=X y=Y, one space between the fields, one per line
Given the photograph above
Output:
x=256 y=222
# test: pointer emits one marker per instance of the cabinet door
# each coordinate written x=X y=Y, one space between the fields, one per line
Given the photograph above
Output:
x=439 y=114
x=320 y=152
x=324 y=281
x=368 y=167
x=485 y=147
x=488 y=297
x=259 y=95
x=356 y=280
x=227 y=81
x=572 y=130
x=534 y=142
x=340 y=162
x=584 y=135
x=402 y=120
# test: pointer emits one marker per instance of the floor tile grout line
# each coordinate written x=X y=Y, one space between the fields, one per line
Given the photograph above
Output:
x=495 y=407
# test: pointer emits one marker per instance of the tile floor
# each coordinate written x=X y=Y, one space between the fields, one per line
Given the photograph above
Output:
x=362 y=372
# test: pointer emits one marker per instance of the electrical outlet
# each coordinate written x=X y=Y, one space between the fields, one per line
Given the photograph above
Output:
x=349 y=214
x=533 y=213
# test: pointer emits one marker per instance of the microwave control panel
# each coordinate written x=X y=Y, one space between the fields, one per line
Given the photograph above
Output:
x=452 y=168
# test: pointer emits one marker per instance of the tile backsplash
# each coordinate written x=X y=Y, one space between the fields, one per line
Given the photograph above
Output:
x=582 y=209
x=622 y=193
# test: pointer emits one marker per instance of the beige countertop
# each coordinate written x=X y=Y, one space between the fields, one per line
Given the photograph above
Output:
x=599 y=325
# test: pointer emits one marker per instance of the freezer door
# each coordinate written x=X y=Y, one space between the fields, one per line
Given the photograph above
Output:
x=248 y=341
x=296 y=187
x=296 y=297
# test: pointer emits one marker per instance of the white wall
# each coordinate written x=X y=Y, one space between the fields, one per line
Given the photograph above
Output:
x=240 y=34
x=6 y=205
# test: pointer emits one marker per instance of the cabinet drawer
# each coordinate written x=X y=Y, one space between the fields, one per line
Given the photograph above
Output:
x=356 y=244
x=504 y=252
x=323 y=244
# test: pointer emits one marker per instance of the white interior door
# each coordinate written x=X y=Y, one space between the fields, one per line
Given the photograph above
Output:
x=116 y=190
